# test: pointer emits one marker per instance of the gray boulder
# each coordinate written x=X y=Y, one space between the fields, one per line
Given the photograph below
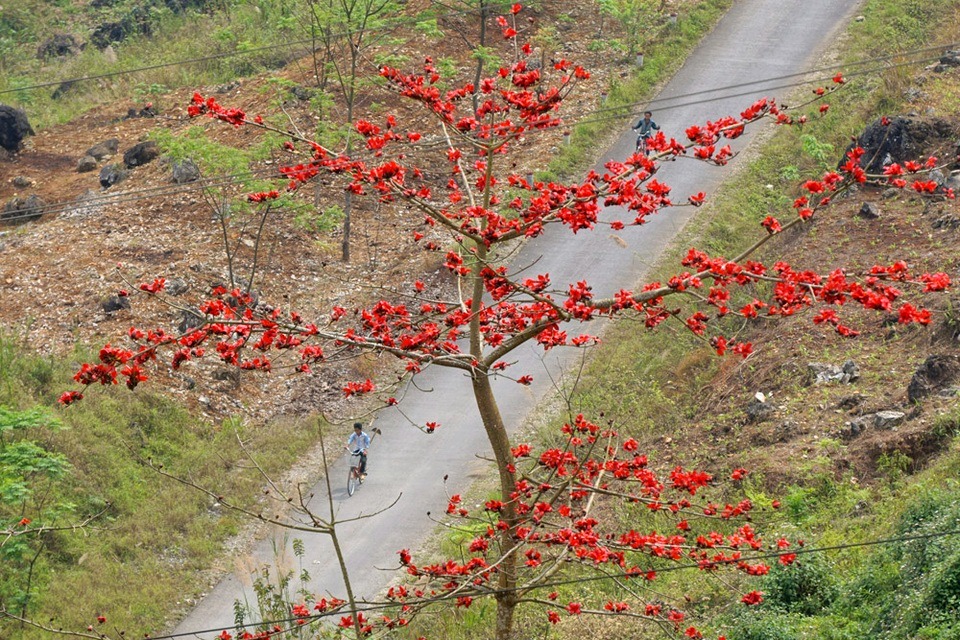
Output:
x=14 y=127
x=878 y=420
x=888 y=419
x=86 y=163
x=104 y=149
x=823 y=373
x=176 y=286
x=185 y=171
x=869 y=211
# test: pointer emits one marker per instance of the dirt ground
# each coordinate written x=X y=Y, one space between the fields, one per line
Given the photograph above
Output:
x=56 y=272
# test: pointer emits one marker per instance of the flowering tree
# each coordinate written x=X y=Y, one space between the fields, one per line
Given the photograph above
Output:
x=543 y=520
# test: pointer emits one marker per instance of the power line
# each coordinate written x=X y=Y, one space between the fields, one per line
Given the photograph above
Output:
x=556 y=583
x=230 y=54
x=833 y=67
x=126 y=196
x=611 y=111
x=617 y=116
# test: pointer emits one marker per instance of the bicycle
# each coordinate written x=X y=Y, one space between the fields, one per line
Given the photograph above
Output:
x=642 y=144
x=354 y=477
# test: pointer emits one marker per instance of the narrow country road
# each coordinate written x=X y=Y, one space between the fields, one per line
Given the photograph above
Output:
x=756 y=40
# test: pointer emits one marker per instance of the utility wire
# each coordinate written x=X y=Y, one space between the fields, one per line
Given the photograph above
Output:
x=612 y=114
x=555 y=583
x=414 y=20
x=833 y=67
x=231 y=54
x=128 y=196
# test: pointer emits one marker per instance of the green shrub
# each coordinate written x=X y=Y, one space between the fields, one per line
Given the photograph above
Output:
x=760 y=624
x=807 y=586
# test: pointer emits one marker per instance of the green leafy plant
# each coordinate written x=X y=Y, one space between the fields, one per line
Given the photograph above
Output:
x=29 y=478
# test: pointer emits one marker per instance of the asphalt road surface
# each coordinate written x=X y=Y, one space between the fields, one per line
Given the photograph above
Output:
x=758 y=40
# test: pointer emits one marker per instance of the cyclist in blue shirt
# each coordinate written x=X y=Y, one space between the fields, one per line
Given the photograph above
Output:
x=359 y=442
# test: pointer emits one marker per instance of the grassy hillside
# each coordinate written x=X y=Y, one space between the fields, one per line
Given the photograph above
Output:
x=668 y=389
x=151 y=536
x=689 y=407
x=155 y=545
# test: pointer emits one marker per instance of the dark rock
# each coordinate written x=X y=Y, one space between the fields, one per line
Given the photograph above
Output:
x=948 y=221
x=850 y=402
x=227 y=374
x=855 y=427
x=185 y=171
x=878 y=420
x=115 y=303
x=86 y=163
x=22 y=210
x=758 y=411
x=869 y=211
x=901 y=139
x=136 y=22
x=189 y=319
x=107 y=33
x=950 y=59
x=111 y=175
x=936 y=373
x=64 y=88
x=22 y=182
x=14 y=127
x=58 y=46
x=146 y=112
x=228 y=87
x=892 y=192
x=176 y=286
x=140 y=154
x=302 y=93
x=104 y=149
x=179 y=6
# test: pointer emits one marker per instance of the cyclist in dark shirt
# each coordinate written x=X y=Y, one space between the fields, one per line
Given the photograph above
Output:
x=645 y=128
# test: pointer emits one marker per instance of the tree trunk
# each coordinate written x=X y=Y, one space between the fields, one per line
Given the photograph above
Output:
x=347 y=206
x=497 y=434
x=478 y=74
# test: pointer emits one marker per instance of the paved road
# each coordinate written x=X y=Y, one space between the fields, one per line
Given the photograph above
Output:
x=756 y=40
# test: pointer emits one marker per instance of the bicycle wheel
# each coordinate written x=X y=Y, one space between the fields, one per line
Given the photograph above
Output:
x=352 y=480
